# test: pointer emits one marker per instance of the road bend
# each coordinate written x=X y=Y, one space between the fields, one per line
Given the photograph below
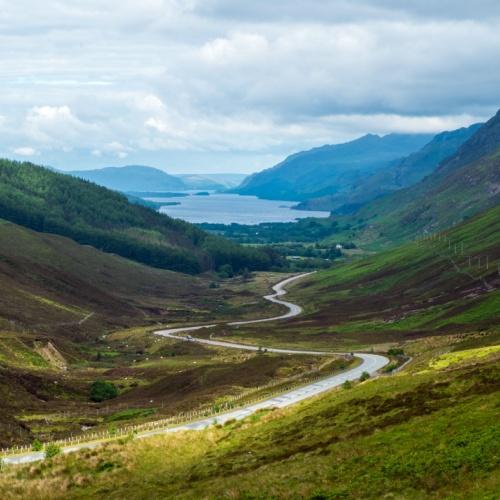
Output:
x=370 y=363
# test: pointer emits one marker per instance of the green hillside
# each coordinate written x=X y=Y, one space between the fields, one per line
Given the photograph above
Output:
x=424 y=287
x=70 y=314
x=415 y=290
x=430 y=431
x=46 y=201
x=433 y=434
x=462 y=186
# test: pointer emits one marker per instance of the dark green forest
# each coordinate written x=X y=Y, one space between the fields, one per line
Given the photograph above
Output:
x=50 y=202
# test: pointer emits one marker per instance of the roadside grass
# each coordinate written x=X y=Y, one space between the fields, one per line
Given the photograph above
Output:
x=427 y=435
x=469 y=355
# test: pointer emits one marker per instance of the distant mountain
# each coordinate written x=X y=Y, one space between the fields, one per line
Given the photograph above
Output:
x=50 y=202
x=131 y=178
x=212 y=181
x=463 y=185
x=403 y=173
x=331 y=169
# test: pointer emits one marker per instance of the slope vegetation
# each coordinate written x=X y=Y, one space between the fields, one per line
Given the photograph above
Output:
x=50 y=202
x=443 y=284
x=463 y=185
x=50 y=280
x=433 y=434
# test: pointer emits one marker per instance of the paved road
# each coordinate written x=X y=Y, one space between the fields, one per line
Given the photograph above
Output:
x=370 y=363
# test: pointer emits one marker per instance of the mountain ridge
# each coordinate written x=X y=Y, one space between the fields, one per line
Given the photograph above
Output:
x=131 y=178
x=330 y=168
x=403 y=173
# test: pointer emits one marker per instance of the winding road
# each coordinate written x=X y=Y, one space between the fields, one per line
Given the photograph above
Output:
x=370 y=363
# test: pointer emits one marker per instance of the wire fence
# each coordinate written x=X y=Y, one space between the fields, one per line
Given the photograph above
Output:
x=257 y=395
x=478 y=267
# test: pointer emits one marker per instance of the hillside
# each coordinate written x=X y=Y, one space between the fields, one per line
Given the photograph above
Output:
x=463 y=185
x=70 y=314
x=131 y=178
x=404 y=173
x=419 y=289
x=60 y=295
x=54 y=282
x=46 y=201
x=434 y=434
x=331 y=169
x=430 y=431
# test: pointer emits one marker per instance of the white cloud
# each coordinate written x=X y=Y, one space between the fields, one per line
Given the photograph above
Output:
x=55 y=126
x=25 y=151
x=255 y=80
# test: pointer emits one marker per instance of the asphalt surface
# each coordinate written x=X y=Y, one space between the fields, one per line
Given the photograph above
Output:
x=370 y=363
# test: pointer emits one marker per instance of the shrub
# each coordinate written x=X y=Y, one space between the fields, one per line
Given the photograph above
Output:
x=51 y=450
x=390 y=367
x=37 y=445
x=226 y=271
x=101 y=390
x=395 y=351
x=347 y=384
x=364 y=376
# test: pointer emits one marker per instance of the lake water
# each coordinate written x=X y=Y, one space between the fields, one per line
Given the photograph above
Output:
x=229 y=208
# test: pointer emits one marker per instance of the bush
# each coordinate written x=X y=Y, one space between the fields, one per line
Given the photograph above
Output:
x=347 y=384
x=226 y=271
x=51 y=450
x=364 y=376
x=395 y=351
x=390 y=367
x=37 y=445
x=101 y=390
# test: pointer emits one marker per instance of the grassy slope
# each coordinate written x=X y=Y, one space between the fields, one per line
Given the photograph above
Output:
x=429 y=433
x=412 y=289
x=408 y=292
x=435 y=203
x=463 y=185
x=51 y=281
x=56 y=290
x=434 y=434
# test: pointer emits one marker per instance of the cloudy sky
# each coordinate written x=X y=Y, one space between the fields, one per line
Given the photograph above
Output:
x=234 y=86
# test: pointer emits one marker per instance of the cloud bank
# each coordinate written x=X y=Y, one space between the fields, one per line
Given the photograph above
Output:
x=218 y=85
